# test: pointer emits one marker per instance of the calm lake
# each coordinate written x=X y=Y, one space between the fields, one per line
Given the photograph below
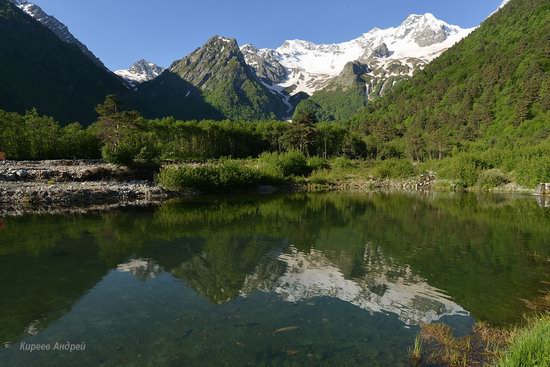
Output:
x=297 y=280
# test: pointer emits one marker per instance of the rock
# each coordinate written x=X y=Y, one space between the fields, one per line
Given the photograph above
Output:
x=22 y=173
x=266 y=189
x=543 y=189
x=10 y=177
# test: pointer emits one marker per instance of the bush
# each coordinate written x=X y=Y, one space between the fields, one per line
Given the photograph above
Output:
x=226 y=175
x=292 y=163
x=342 y=163
x=130 y=148
x=122 y=154
x=463 y=168
x=532 y=171
x=490 y=179
x=317 y=163
x=394 y=168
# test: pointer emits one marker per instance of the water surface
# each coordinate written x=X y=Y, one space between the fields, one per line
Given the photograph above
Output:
x=297 y=280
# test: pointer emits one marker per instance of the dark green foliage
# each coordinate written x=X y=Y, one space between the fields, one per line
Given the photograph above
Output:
x=307 y=112
x=222 y=176
x=176 y=98
x=40 y=71
x=492 y=88
x=124 y=134
x=32 y=136
x=339 y=104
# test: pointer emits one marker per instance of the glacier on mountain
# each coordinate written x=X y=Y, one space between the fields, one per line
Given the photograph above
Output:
x=302 y=66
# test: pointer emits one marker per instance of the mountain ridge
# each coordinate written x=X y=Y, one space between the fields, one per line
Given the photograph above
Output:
x=56 y=26
x=41 y=71
x=304 y=66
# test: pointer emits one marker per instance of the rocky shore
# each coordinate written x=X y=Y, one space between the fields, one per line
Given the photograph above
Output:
x=424 y=182
x=76 y=185
x=28 y=186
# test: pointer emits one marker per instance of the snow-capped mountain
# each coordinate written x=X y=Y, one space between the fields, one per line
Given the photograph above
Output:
x=58 y=28
x=302 y=66
x=140 y=72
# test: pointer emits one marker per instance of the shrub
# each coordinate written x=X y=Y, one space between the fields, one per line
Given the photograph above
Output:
x=491 y=179
x=342 y=163
x=532 y=171
x=226 y=175
x=122 y=154
x=463 y=168
x=130 y=148
x=317 y=163
x=292 y=163
x=394 y=168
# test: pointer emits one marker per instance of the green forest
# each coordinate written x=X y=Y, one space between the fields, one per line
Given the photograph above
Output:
x=478 y=116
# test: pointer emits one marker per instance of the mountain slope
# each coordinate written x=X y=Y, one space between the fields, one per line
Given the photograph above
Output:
x=218 y=73
x=39 y=70
x=58 y=28
x=495 y=84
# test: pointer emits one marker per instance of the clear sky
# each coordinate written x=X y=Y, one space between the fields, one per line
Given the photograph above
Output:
x=120 y=32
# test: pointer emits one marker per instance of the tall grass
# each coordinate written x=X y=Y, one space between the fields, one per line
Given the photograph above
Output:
x=530 y=346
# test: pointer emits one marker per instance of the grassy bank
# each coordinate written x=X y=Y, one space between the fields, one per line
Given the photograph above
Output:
x=316 y=173
x=527 y=345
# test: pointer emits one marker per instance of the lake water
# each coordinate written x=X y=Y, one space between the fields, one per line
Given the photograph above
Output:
x=298 y=280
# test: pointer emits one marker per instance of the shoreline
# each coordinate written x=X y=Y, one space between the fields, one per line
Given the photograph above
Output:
x=34 y=187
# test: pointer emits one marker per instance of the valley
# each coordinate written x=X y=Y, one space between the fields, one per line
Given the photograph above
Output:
x=380 y=201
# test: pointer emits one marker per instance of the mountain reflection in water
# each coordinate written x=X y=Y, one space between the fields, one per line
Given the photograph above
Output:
x=385 y=287
x=348 y=277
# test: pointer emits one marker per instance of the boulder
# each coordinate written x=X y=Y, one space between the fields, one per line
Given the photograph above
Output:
x=543 y=189
x=22 y=173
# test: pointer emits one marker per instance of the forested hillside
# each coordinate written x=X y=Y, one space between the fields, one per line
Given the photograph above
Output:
x=493 y=87
x=41 y=71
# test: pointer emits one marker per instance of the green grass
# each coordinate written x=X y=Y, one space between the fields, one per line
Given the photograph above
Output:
x=416 y=351
x=529 y=347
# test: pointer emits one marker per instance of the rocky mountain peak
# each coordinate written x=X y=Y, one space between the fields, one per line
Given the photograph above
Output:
x=222 y=44
x=424 y=29
x=143 y=66
x=381 y=51
x=140 y=72
x=212 y=63
x=265 y=63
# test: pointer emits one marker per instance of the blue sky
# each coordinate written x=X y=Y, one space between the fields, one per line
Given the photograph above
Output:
x=120 y=32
